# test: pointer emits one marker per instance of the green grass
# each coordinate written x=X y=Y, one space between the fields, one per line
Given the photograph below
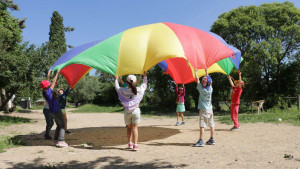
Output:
x=9 y=120
x=39 y=107
x=291 y=116
x=92 y=108
x=8 y=142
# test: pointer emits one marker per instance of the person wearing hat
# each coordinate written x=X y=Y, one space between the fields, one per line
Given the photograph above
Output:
x=206 y=117
x=180 y=91
x=48 y=118
x=55 y=111
x=237 y=89
x=130 y=98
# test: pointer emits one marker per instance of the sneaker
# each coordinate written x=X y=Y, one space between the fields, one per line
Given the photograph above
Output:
x=68 y=132
x=48 y=137
x=55 y=142
x=135 y=147
x=199 y=143
x=183 y=123
x=130 y=145
x=177 y=124
x=62 y=144
x=234 y=128
x=210 y=142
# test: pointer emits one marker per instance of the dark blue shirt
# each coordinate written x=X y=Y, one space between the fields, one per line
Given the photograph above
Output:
x=52 y=101
x=63 y=99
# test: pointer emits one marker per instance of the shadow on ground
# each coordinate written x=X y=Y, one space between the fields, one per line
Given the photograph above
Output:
x=99 y=137
x=104 y=162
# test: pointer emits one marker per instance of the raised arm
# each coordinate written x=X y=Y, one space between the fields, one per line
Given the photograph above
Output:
x=117 y=87
x=54 y=81
x=121 y=80
x=177 y=92
x=206 y=72
x=68 y=90
x=48 y=75
x=196 y=76
x=230 y=80
x=138 y=81
x=240 y=76
x=144 y=85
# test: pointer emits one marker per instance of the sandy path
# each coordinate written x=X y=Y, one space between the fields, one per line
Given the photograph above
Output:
x=162 y=145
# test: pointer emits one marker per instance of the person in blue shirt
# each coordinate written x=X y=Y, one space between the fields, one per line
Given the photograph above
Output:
x=55 y=111
x=62 y=99
x=48 y=118
x=206 y=116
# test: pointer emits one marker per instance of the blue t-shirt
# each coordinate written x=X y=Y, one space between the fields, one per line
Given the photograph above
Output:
x=63 y=99
x=53 y=103
x=204 y=102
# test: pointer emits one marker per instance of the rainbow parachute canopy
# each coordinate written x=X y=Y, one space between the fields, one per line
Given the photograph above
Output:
x=138 y=49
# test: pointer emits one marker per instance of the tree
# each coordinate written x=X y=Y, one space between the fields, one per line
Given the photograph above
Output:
x=86 y=90
x=10 y=37
x=269 y=38
x=57 y=40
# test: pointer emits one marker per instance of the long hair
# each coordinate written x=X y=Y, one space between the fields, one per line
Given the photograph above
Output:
x=133 y=87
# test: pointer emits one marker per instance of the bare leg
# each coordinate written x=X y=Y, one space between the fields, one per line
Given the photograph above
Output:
x=201 y=132
x=212 y=131
x=135 y=133
x=177 y=117
x=129 y=133
x=182 y=117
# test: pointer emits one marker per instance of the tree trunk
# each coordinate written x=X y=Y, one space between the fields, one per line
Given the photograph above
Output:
x=4 y=100
x=278 y=82
x=5 y=97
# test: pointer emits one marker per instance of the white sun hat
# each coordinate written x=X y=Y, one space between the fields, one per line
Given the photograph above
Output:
x=131 y=78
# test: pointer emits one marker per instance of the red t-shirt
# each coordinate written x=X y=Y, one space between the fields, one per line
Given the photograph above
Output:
x=236 y=94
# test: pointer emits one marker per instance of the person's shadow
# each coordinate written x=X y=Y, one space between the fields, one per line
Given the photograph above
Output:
x=98 y=137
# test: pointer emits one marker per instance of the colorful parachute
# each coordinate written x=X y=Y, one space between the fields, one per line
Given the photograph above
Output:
x=138 y=49
x=185 y=73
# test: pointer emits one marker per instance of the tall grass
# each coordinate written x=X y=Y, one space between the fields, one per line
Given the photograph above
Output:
x=291 y=116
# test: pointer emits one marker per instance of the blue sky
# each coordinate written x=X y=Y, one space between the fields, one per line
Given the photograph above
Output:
x=99 y=19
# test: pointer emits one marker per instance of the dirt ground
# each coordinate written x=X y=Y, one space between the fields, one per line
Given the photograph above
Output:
x=99 y=140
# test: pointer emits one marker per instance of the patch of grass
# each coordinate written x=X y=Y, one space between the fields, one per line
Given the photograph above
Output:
x=8 y=142
x=9 y=120
x=39 y=107
x=291 y=116
x=92 y=108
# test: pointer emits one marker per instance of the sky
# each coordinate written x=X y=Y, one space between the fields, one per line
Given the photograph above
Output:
x=100 y=19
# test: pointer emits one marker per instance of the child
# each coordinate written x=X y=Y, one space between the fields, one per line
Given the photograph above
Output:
x=55 y=111
x=130 y=98
x=180 y=104
x=237 y=90
x=62 y=99
x=48 y=118
x=206 y=117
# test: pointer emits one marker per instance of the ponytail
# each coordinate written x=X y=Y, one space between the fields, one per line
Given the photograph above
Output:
x=133 y=87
